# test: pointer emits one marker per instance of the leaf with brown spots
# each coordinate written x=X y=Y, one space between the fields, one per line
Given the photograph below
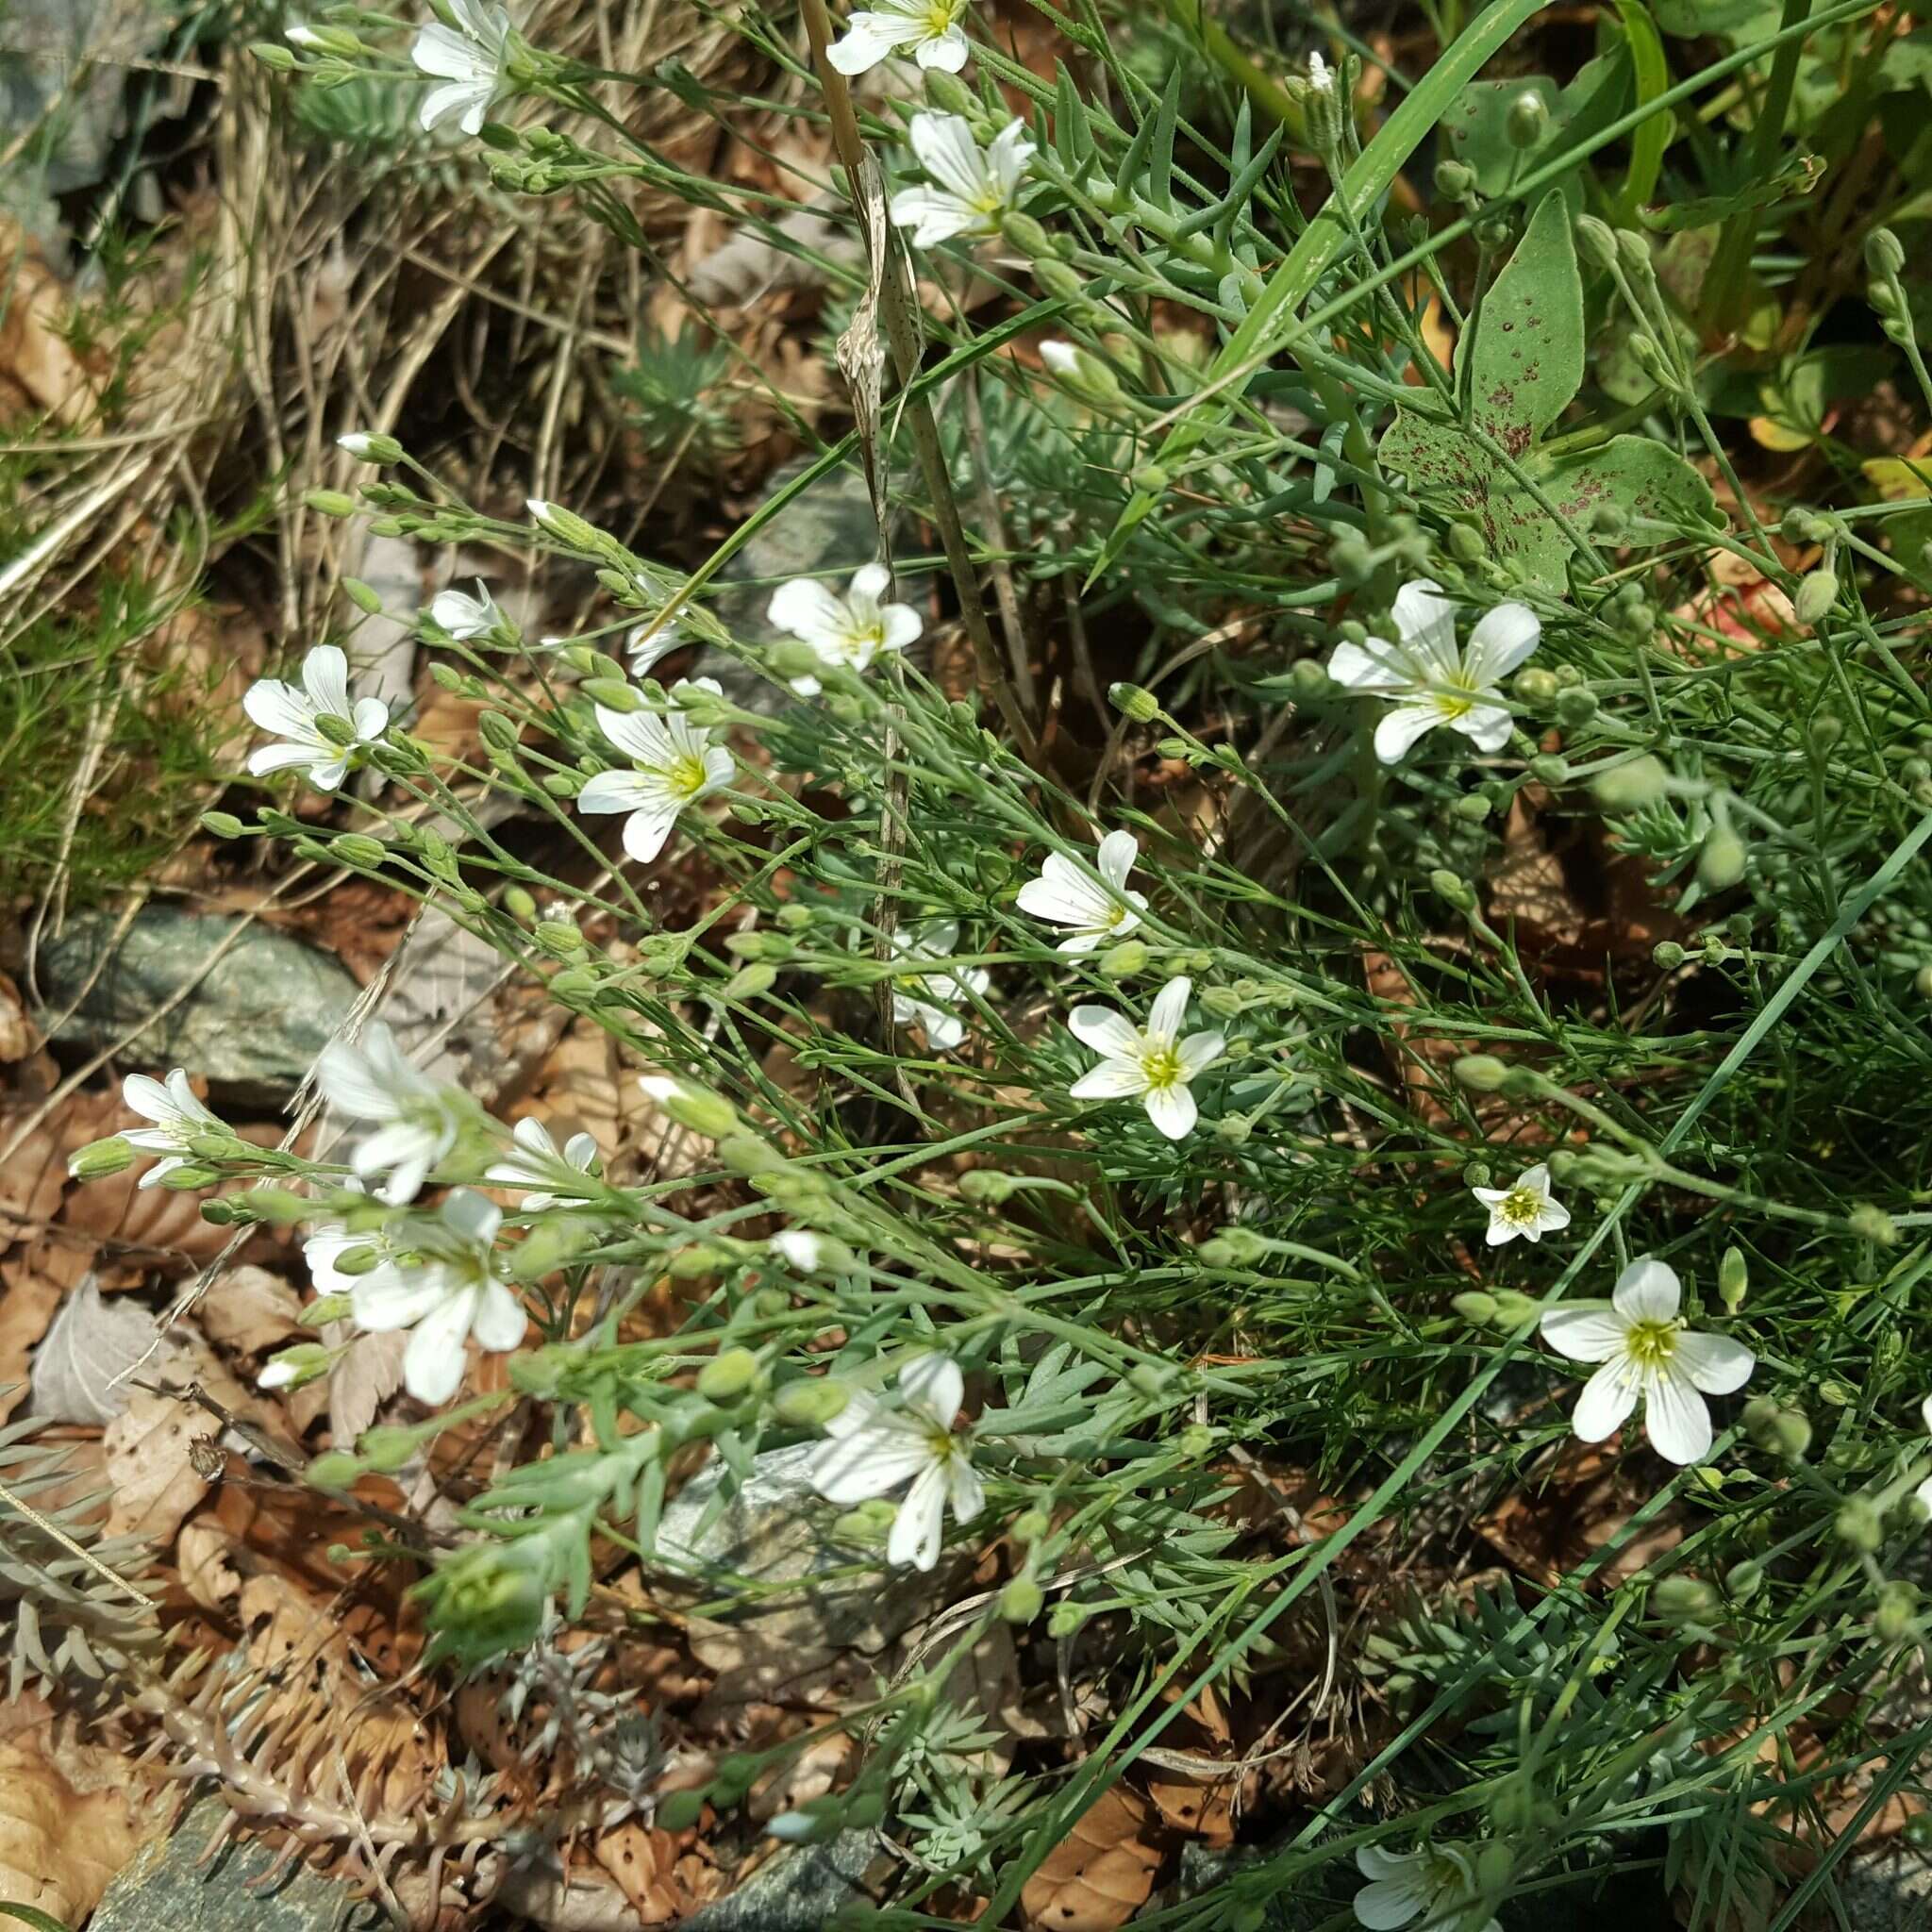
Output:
x=1099 y=1876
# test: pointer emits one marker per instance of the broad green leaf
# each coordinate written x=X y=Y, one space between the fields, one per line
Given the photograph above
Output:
x=1738 y=22
x=1526 y=361
x=1477 y=128
x=1526 y=346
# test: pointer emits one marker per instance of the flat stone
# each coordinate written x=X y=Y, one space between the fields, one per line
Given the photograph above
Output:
x=252 y=1025
x=797 y=1891
x=166 y=1889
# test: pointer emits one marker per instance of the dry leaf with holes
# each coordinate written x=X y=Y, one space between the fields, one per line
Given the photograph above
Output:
x=152 y=1467
x=642 y=1860
x=201 y=1551
x=69 y=1820
x=18 y=1036
x=1099 y=1876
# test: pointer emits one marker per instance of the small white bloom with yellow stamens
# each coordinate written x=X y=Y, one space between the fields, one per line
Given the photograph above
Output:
x=1152 y=1063
x=915 y=995
x=929 y=30
x=1434 y=1883
x=873 y=1449
x=847 y=632
x=972 y=187
x=1096 y=911
x=1649 y=1356
x=1432 y=679
x=674 y=764
x=1526 y=1209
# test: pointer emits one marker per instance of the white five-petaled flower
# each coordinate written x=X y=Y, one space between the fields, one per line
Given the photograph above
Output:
x=1528 y=1209
x=846 y=632
x=1065 y=896
x=913 y=993
x=417 y=1118
x=446 y=1287
x=463 y=616
x=469 y=58
x=1646 y=1352
x=673 y=765
x=1432 y=1883
x=296 y=713
x=975 y=186
x=873 y=1449
x=929 y=30
x=1430 y=679
x=177 y=1117
x=1153 y=1063
x=537 y=1163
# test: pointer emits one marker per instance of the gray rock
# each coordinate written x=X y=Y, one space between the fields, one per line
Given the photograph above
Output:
x=827 y=528
x=798 y=1890
x=252 y=1025
x=1886 y=1887
x=773 y=1530
x=167 y=1888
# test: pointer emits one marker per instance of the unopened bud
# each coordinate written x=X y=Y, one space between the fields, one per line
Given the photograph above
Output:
x=329 y=502
x=1721 y=861
x=100 y=1159
x=1481 y=1072
x=357 y=849
x=678 y=1811
x=1454 y=180
x=1453 y=889
x=1884 y=253
x=1475 y=1307
x=367 y=448
x=1684 y=1600
x=1817 y=593
x=812 y=1402
x=1898 y=1606
x=703 y=1113
x=1022 y=1600
x=1528 y=120
x=1859 y=1524
x=335 y=1471
x=1871 y=1224
x=1135 y=701
x=1123 y=961
x=1630 y=787
x=1057 y=279
x=1515 y=1309
x=567 y=527
x=222 y=825
x=728 y=1375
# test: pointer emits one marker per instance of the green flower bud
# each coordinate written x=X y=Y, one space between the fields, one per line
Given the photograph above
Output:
x=1123 y=961
x=1596 y=242
x=950 y=95
x=1859 y=1524
x=614 y=694
x=326 y=1308
x=1493 y=1864
x=1898 y=1606
x=729 y=1375
x=1721 y=861
x=1921 y=982
x=679 y=1810
x=1884 y=253
x=367 y=448
x=1475 y=1307
x=571 y=529
x=1825 y=729
x=1515 y=1309
x=1234 y=1128
x=1245 y=1915
x=1466 y=543
x=1745 y=1580
x=1025 y=236
x=1473 y=807
x=1733 y=1279
x=1550 y=768
x=1668 y=955
x=1139 y=704
x=1057 y=279
x=1817 y=593
x=1481 y=1072
x=388 y=1449
x=276 y=58
x=812 y=1402
x=330 y=503
x=690 y=1107
x=1030 y=1525
x=1575 y=709
x=1528 y=120
x=184 y=1180
x=335 y=1471
x=1454 y=180
x=100 y=1159
x=357 y=849
x=1221 y=1002
x=750 y=982
x=1022 y=1600
x=1684 y=1600
x=1065 y=1619
x=1453 y=889
x=290 y=1368
x=222 y=825
x=1151 y=1378
x=1630 y=787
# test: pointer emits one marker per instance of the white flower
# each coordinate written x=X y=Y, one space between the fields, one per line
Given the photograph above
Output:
x=1923 y=1491
x=418 y=1118
x=297 y=714
x=913 y=992
x=674 y=764
x=1528 y=1209
x=332 y=1240
x=849 y=631
x=465 y=617
x=975 y=186
x=306 y=38
x=536 y=1163
x=646 y=645
x=797 y=1249
x=447 y=1288
x=875 y=1449
x=929 y=30
x=469 y=60
x=1064 y=895
x=177 y=1117
x=1432 y=1885
x=1154 y=1062
x=1320 y=74
x=1646 y=1351
x=1062 y=358
x=1430 y=679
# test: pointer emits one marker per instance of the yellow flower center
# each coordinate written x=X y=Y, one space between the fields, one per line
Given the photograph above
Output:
x=1161 y=1066
x=940 y=17
x=1114 y=915
x=686 y=775
x=1650 y=1344
x=1520 y=1206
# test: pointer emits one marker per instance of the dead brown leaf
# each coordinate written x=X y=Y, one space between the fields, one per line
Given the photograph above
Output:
x=1099 y=1875
x=37 y=371
x=71 y=1816
x=249 y=1310
x=643 y=1859
x=151 y=1452
x=18 y=1035
x=1576 y=1503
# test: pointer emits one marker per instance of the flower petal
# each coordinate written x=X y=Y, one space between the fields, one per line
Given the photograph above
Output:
x=1427 y=620
x=646 y=831
x=1607 y=1401
x=1105 y=1030
x=1200 y=1050
x=1714 y=1363
x=1391 y=1903
x=807 y=609
x=1399 y=729
x=1170 y=1007
x=1675 y=1417
x=1114 y=857
x=1585 y=1331
x=1172 y=1110
x=934 y=1384
x=434 y=1361
x=391 y=1297
x=965 y=1493
x=1502 y=639
x=1112 y=1079
x=1647 y=1290
x=1372 y=665
x=948 y=153
x=500 y=1319
x=920 y=1525
x=874 y=1457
